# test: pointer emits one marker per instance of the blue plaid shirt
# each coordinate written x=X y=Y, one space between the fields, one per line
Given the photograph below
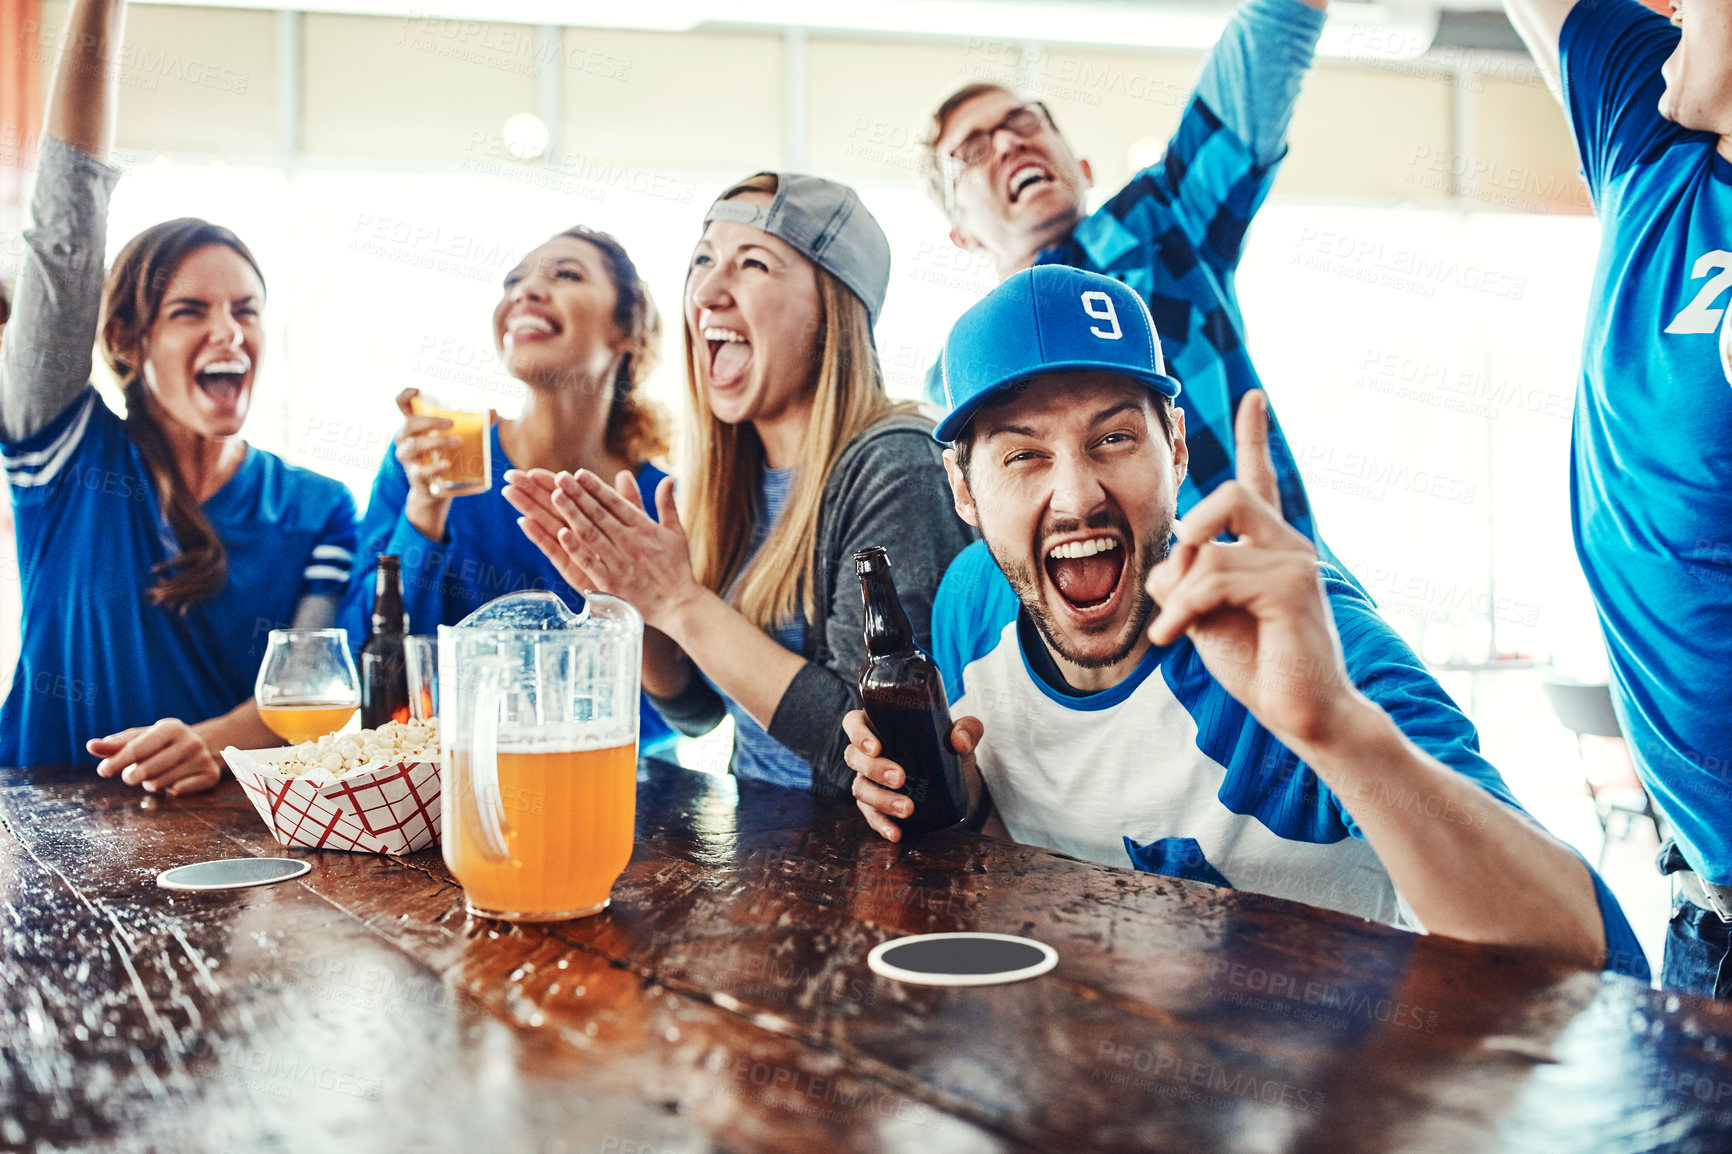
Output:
x=1175 y=232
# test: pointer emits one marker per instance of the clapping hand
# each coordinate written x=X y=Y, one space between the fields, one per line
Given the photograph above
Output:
x=601 y=538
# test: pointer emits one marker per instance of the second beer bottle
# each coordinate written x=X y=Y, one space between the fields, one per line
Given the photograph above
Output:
x=903 y=695
x=384 y=666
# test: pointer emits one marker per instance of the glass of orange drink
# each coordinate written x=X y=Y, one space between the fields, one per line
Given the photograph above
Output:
x=469 y=469
x=421 y=653
x=307 y=686
x=538 y=722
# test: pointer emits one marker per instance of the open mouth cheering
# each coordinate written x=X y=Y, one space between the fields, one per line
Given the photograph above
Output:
x=1088 y=573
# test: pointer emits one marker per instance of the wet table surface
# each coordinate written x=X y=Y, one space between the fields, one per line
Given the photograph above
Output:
x=724 y=1003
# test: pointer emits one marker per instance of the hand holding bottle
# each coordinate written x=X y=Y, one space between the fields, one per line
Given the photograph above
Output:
x=903 y=739
x=880 y=785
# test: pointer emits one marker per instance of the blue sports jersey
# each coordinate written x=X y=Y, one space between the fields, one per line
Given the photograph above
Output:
x=484 y=556
x=1168 y=773
x=97 y=656
x=1651 y=490
x=1175 y=233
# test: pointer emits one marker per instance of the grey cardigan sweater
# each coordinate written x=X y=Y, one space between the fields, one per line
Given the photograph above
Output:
x=888 y=488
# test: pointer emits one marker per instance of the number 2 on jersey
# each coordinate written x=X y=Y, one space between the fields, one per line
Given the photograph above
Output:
x=1700 y=315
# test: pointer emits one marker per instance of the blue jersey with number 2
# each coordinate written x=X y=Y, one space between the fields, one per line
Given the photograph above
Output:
x=1651 y=492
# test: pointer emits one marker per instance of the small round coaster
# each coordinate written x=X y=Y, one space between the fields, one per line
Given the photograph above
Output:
x=232 y=873
x=961 y=959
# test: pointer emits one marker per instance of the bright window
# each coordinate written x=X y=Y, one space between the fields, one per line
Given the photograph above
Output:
x=1422 y=363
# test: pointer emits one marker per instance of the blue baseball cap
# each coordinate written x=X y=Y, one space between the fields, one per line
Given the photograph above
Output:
x=1047 y=319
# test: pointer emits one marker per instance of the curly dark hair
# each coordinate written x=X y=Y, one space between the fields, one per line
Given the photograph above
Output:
x=637 y=427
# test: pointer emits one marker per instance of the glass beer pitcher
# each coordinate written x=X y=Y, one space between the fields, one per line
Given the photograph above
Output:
x=538 y=721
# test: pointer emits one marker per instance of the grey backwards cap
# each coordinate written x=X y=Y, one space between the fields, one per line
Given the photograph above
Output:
x=826 y=223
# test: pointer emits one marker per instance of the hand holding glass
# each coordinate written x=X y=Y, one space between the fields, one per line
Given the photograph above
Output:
x=307 y=685
x=470 y=469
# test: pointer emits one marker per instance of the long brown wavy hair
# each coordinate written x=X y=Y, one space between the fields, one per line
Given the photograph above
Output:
x=848 y=398
x=637 y=427
x=131 y=299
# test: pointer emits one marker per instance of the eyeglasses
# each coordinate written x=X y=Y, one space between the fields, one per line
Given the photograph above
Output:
x=976 y=148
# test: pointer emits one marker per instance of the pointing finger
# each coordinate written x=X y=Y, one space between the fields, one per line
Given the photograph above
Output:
x=1255 y=468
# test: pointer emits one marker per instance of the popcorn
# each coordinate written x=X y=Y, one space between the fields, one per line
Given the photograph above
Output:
x=339 y=754
x=377 y=791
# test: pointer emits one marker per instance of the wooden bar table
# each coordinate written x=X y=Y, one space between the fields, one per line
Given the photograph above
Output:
x=724 y=1003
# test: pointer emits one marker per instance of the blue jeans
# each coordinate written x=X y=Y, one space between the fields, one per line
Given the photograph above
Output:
x=1698 y=943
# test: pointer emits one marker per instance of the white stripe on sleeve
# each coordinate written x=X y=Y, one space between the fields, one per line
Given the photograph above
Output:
x=54 y=457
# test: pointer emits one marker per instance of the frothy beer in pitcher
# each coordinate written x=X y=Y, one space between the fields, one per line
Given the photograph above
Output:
x=567 y=815
x=538 y=726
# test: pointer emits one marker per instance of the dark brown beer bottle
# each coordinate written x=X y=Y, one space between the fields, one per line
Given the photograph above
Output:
x=903 y=695
x=384 y=667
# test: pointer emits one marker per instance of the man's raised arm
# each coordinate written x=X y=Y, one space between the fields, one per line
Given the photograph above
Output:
x=1252 y=76
x=1540 y=23
x=1469 y=865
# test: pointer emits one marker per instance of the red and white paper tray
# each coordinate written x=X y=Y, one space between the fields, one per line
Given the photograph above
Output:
x=387 y=809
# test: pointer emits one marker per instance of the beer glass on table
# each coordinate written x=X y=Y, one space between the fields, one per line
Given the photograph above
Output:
x=421 y=653
x=539 y=727
x=307 y=686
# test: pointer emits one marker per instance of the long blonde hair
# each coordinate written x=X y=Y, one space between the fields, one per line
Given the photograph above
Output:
x=725 y=461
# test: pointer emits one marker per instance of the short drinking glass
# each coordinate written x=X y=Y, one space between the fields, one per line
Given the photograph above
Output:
x=307 y=685
x=469 y=469
x=422 y=654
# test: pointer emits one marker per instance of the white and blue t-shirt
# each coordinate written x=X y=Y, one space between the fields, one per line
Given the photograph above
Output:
x=97 y=656
x=1651 y=491
x=1168 y=773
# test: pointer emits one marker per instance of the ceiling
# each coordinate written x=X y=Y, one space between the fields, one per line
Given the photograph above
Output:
x=1400 y=29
